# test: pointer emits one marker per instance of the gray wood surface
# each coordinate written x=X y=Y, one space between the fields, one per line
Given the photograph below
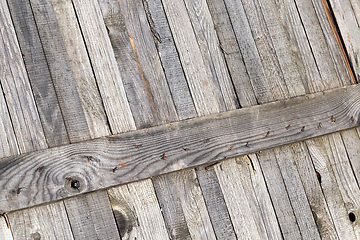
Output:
x=91 y=216
x=44 y=222
x=211 y=138
x=104 y=65
x=170 y=60
x=39 y=73
x=5 y=232
x=60 y=70
x=17 y=90
x=136 y=205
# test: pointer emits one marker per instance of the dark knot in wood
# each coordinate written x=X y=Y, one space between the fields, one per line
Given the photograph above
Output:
x=74 y=184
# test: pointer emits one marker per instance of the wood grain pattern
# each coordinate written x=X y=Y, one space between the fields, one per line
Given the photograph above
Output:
x=104 y=66
x=170 y=60
x=16 y=88
x=5 y=232
x=39 y=222
x=331 y=189
x=137 y=205
x=91 y=216
x=210 y=138
x=234 y=59
x=197 y=71
x=81 y=69
x=208 y=42
x=39 y=73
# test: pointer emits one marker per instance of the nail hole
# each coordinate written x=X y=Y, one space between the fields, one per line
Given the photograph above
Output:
x=75 y=184
x=352 y=217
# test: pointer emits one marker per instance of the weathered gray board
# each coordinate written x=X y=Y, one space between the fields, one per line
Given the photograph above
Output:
x=68 y=170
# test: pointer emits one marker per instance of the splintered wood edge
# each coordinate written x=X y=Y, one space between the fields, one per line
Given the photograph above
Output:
x=73 y=169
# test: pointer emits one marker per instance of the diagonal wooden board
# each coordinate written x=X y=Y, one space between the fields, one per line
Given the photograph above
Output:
x=68 y=170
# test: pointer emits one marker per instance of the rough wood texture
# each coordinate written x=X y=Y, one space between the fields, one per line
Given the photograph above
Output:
x=80 y=66
x=104 y=65
x=5 y=232
x=210 y=138
x=147 y=58
x=137 y=211
x=39 y=73
x=45 y=222
x=16 y=88
x=170 y=60
x=91 y=217
x=234 y=59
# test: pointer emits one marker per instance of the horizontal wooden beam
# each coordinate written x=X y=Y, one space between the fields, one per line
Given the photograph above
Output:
x=68 y=170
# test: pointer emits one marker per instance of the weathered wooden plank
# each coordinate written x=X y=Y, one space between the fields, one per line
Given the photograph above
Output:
x=137 y=211
x=215 y=203
x=60 y=70
x=244 y=219
x=80 y=66
x=351 y=141
x=91 y=217
x=312 y=187
x=208 y=42
x=330 y=188
x=39 y=73
x=170 y=60
x=186 y=194
x=104 y=65
x=206 y=95
x=5 y=232
x=147 y=58
x=126 y=61
x=234 y=59
x=16 y=87
x=346 y=18
x=45 y=222
x=246 y=130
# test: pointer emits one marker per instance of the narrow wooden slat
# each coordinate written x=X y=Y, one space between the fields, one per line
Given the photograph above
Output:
x=215 y=203
x=60 y=69
x=346 y=18
x=5 y=232
x=331 y=189
x=39 y=223
x=208 y=42
x=234 y=59
x=212 y=136
x=170 y=60
x=351 y=141
x=91 y=217
x=137 y=205
x=81 y=70
x=126 y=61
x=39 y=73
x=243 y=218
x=197 y=71
x=312 y=187
x=147 y=58
x=104 y=65
x=16 y=87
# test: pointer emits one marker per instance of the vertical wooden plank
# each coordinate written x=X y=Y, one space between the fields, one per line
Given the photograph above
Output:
x=147 y=58
x=138 y=212
x=39 y=73
x=208 y=42
x=5 y=232
x=351 y=141
x=104 y=65
x=170 y=59
x=39 y=223
x=312 y=186
x=126 y=61
x=330 y=188
x=234 y=58
x=60 y=70
x=348 y=22
x=197 y=71
x=16 y=87
x=91 y=217
x=80 y=67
